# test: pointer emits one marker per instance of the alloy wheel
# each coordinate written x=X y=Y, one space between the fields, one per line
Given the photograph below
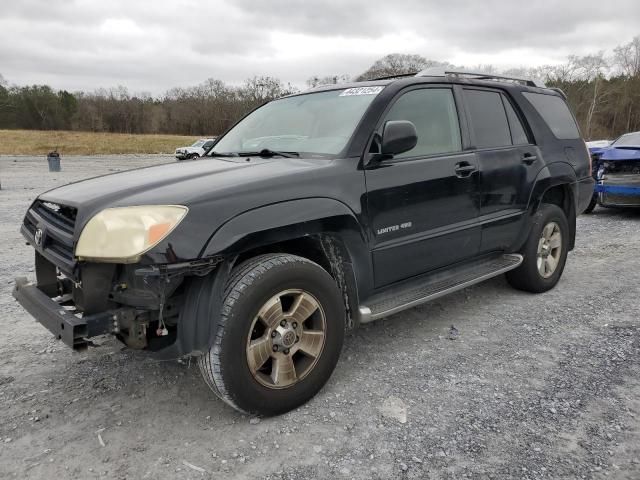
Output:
x=286 y=339
x=549 y=249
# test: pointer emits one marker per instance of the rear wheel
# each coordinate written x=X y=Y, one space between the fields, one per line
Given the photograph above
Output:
x=592 y=204
x=279 y=337
x=545 y=252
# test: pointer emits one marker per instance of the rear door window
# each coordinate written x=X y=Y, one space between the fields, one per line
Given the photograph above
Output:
x=554 y=111
x=488 y=118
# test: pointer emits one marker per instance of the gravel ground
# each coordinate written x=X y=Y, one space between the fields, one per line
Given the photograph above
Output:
x=530 y=386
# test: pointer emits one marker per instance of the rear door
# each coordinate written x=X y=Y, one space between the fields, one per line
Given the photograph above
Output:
x=507 y=162
x=423 y=204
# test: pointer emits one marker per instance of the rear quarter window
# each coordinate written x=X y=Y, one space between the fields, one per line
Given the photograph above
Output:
x=555 y=112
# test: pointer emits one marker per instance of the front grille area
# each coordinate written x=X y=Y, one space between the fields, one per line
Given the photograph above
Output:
x=56 y=224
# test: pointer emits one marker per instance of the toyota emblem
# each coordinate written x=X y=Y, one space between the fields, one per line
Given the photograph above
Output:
x=37 y=237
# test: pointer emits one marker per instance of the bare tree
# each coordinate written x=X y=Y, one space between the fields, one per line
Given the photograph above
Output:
x=398 y=64
x=627 y=57
x=4 y=94
x=592 y=69
x=262 y=89
x=327 y=80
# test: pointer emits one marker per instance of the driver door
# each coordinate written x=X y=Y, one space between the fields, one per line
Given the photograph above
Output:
x=423 y=205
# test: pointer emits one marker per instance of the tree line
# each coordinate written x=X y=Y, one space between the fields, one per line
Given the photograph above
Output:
x=603 y=91
x=208 y=108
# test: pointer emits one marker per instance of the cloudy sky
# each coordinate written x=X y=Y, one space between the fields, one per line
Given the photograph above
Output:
x=150 y=46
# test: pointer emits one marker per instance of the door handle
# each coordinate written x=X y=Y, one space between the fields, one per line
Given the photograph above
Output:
x=528 y=158
x=464 y=169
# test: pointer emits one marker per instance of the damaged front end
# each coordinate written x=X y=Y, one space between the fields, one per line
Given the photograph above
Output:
x=78 y=298
x=618 y=178
x=142 y=306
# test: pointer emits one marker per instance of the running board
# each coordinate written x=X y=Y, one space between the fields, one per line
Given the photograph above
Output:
x=417 y=291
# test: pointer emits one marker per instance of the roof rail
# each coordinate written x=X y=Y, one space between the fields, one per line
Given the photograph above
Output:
x=390 y=77
x=447 y=72
x=560 y=91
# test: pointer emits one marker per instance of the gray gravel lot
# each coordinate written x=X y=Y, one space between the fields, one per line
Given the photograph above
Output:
x=533 y=386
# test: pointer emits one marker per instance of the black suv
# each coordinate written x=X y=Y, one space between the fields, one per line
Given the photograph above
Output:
x=313 y=214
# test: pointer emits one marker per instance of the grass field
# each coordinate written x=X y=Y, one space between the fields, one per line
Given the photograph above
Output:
x=38 y=142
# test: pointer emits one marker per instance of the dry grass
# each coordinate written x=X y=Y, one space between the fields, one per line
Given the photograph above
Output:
x=37 y=142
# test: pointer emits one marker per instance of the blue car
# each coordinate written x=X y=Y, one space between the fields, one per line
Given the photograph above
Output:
x=617 y=172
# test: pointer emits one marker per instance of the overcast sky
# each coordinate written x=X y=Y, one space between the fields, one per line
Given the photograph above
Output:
x=150 y=46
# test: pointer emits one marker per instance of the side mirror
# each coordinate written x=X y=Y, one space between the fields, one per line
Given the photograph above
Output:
x=398 y=136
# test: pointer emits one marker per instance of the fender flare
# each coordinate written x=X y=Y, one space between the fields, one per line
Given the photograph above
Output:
x=283 y=221
x=294 y=219
x=332 y=222
x=550 y=176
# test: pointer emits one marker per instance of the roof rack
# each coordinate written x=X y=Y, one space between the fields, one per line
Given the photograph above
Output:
x=446 y=72
x=390 y=77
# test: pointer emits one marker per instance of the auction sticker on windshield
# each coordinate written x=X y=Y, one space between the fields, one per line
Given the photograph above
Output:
x=361 y=91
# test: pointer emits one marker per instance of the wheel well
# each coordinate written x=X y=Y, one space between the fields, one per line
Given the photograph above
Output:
x=558 y=196
x=308 y=247
x=329 y=252
x=562 y=196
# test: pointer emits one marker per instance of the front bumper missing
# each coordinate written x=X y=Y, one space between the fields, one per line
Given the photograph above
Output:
x=72 y=330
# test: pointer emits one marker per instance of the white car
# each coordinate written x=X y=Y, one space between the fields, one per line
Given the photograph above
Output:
x=196 y=150
x=598 y=143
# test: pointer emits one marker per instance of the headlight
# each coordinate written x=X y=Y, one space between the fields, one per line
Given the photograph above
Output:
x=121 y=235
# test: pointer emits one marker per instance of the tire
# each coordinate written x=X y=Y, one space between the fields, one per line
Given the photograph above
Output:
x=250 y=290
x=592 y=204
x=528 y=275
x=193 y=156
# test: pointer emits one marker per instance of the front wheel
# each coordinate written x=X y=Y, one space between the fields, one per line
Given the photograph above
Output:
x=545 y=252
x=279 y=337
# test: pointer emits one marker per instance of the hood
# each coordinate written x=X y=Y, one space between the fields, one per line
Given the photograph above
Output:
x=214 y=190
x=620 y=153
x=218 y=186
x=596 y=150
x=172 y=178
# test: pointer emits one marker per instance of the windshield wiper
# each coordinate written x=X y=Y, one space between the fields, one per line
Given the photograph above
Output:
x=265 y=152
x=216 y=154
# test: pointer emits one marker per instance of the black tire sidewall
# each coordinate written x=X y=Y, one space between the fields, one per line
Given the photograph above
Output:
x=592 y=205
x=245 y=391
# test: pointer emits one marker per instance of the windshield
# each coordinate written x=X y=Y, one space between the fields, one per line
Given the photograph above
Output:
x=628 y=140
x=314 y=123
x=198 y=143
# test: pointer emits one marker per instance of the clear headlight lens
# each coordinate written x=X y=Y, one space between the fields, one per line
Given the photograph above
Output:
x=121 y=235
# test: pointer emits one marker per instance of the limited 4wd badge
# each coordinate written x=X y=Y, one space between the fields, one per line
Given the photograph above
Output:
x=361 y=91
x=394 y=228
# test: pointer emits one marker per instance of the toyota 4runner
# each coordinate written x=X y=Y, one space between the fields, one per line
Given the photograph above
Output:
x=315 y=213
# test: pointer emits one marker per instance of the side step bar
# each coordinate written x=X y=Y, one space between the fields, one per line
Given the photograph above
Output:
x=423 y=289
